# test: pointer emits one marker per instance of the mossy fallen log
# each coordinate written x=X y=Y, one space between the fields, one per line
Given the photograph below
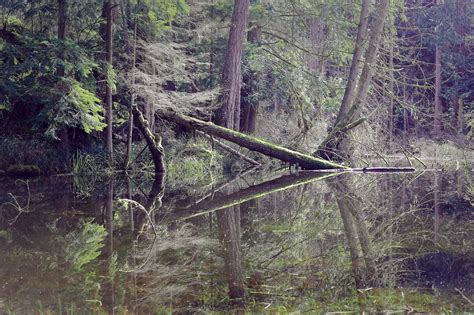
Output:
x=305 y=161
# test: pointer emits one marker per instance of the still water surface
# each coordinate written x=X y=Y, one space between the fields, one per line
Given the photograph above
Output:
x=259 y=243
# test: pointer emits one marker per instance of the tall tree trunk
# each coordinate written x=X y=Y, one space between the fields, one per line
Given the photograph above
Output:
x=231 y=71
x=108 y=90
x=249 y=100
x=317 y=38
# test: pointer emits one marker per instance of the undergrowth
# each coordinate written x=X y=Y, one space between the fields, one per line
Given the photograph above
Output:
x=193 y=161
x=46 y=155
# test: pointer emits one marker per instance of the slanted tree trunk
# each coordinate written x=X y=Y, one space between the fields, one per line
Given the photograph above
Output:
x=249 y=100
x=335 y=146
x=356 y=60
x=229 y=98
x=254 y=144
x=153 y=142
x=108 y=89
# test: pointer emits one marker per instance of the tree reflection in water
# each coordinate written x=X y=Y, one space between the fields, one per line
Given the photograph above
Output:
x=300 y=242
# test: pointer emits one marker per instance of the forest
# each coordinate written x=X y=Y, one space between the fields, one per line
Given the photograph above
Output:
x=318 y=153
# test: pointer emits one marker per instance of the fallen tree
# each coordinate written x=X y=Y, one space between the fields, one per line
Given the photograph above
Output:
x=304 y=161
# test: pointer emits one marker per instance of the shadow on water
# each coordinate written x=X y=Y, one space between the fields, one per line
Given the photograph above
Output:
x=309 y=242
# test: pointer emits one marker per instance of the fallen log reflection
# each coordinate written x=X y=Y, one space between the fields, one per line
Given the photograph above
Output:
x=219 y=202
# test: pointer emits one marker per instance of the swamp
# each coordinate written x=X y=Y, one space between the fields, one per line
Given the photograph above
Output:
x=236 y=157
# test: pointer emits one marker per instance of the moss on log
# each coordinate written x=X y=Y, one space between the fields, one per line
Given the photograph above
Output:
x=305 y=161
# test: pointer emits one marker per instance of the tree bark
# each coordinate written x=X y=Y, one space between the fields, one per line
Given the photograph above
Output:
x=108 y=90
x=254 y=144
x=229 y=98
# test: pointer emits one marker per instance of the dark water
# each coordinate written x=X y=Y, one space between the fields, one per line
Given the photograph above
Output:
x=260 y=243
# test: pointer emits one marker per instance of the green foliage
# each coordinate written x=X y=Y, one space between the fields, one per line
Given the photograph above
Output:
x=77 y=108
x=160 y=13
x=31 y=63
x=84 y=245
